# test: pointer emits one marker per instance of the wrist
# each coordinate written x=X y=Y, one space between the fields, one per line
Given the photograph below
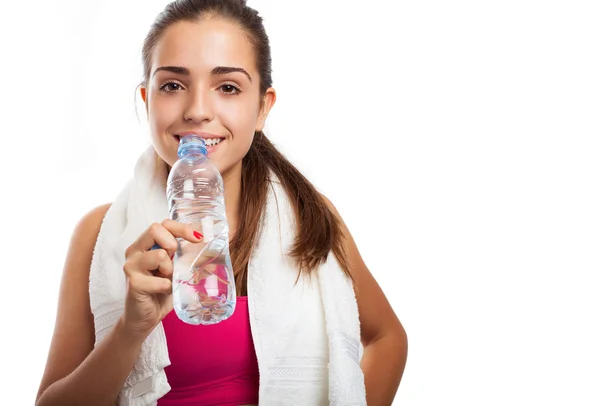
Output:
x=130 y=337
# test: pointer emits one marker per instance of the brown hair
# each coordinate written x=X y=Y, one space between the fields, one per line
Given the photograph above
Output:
x=319 y=230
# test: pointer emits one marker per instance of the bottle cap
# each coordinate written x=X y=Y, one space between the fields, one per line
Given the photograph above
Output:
x=191 y=143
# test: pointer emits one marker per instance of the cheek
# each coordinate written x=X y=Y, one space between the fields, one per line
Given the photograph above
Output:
x=162 y=113
x=240 y=119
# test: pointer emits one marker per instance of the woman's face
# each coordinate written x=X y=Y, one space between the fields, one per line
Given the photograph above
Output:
x=203 y=80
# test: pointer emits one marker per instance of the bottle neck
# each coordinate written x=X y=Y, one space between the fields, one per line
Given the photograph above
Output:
x=191 y=151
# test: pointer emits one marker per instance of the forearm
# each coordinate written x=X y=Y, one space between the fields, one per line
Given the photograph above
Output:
x=100 y=378
x=383 y=364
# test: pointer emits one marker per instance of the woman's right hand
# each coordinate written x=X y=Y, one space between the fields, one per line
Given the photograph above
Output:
x=149 y=275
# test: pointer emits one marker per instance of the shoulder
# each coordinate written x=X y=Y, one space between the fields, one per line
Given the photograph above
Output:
x=350 y=248
x=349 y=243
x=329 y=203
x=81 y=251
x=97 y=213
x=91 y=222
x=331 y=207
x=87 y=229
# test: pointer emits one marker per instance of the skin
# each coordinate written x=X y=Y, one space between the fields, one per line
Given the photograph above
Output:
x=228 y=105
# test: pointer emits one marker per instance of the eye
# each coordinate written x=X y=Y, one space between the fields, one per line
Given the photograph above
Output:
x=230 y=89
x=170 y=87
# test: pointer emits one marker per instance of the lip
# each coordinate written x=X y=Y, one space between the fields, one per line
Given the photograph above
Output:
x=212 y=148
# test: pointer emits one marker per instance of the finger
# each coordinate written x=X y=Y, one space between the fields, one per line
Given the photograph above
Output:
x=182 y=230
x=150 y=261
x=149 y=285
x=165 y=234
x=155 y=234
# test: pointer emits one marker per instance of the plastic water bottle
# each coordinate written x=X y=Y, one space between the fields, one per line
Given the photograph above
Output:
x=203 y=281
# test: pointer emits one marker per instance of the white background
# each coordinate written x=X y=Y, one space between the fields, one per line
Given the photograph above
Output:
x=458 y=139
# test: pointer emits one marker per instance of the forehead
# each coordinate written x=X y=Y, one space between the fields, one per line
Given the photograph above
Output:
x=201 y=45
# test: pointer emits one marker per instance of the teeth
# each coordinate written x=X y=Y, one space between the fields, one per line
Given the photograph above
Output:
x=212 y=141
x=207 y=141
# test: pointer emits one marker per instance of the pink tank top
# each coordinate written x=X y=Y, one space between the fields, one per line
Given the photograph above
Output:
x=211 y=365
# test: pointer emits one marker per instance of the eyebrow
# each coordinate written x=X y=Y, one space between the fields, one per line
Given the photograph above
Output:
x=218 y=70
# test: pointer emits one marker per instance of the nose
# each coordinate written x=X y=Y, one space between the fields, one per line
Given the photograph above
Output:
x=199 y=108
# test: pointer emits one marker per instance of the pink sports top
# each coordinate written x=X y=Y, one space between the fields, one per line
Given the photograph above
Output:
x=211 y=365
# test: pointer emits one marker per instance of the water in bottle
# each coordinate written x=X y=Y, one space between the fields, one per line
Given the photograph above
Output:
x=203 y=281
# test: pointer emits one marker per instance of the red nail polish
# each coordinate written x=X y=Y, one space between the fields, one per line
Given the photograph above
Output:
x=172 y=256
x=198 y=235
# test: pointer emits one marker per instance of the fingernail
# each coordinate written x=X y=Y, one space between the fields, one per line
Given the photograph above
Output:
x=198 y=235
x=172 y=255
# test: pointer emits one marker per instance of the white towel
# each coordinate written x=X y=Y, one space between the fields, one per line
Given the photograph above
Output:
x=306 y=334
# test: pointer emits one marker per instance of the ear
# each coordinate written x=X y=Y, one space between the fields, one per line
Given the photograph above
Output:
x=268 y=101
x=144 y=94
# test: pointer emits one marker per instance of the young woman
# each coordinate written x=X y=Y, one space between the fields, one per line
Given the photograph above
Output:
x=207 y=71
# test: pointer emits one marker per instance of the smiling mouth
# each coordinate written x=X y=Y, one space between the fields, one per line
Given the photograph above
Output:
x=208 y=141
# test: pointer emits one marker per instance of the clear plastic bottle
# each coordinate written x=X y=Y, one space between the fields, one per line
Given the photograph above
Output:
x=203 y=281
